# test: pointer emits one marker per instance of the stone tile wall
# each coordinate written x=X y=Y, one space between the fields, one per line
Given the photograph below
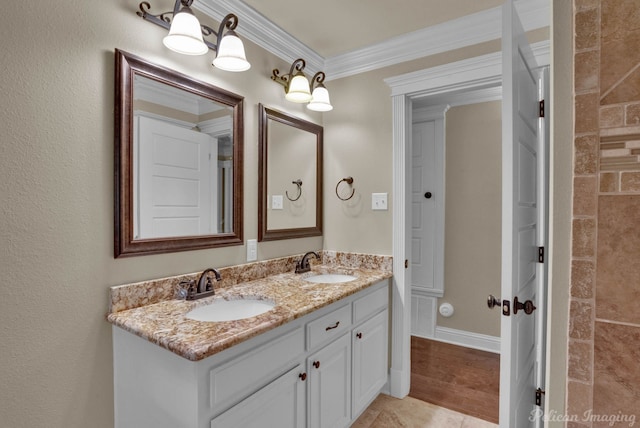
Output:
x=604 y=328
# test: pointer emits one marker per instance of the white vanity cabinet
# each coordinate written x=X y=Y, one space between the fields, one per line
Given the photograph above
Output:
x=370 y=348
x=321 y=370
x=280 y=404
x=329 y=387
x=370 y=360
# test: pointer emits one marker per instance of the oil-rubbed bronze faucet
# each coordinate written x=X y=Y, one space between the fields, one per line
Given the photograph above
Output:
x=202 y=288
x=207 y=286
x=303 y=265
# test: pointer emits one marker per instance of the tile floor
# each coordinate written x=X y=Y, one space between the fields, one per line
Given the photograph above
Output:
x=389 y=412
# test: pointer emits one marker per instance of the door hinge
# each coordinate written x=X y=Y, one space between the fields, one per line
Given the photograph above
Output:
x=539 y=394
x=540 y=254
x=541 y=108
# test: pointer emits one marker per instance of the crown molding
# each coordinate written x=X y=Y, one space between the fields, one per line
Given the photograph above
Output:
x=258 y=29
x=455 y=34
x=458 y=33
x=484 y=71
x=159 y=93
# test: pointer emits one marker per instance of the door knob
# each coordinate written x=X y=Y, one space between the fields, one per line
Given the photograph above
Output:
x=492 y=302
x=526 y=306
x=428 y=195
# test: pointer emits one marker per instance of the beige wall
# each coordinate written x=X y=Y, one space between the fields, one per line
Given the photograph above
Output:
x=56 y=167
x=473 y=216
x=56 y=170
x=358 y=143
x=291 y=156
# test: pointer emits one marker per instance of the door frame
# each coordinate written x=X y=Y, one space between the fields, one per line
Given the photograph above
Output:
x=471 y=74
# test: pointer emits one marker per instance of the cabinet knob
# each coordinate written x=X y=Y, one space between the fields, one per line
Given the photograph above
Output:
x=359 y=335
x=303 y=376
x=316 y=364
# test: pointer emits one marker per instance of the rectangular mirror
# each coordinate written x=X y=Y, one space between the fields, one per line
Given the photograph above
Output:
x=178 y=161
x=290 y=176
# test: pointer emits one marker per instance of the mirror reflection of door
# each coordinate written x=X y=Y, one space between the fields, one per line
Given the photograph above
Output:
x=183 y=163
x=176 y=176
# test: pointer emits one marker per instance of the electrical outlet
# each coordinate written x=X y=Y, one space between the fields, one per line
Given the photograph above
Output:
x=252 y=250
x=379 y=201
x=276 y=202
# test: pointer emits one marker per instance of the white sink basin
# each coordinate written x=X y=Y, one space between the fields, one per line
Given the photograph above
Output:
x=230 y=310
x=330 y=278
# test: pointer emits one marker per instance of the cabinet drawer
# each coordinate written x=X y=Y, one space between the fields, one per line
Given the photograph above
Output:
x=242 y=376
x=368 y=305
x=329 y=326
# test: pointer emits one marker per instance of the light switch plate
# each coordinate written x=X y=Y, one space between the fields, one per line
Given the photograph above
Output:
x=379 y=201
x=276 y=202
x=252 y=250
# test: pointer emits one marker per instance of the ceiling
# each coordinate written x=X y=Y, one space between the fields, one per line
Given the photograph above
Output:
x=348 y=37
x=333 y=27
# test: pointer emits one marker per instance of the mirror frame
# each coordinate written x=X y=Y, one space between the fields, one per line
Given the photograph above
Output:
x=264 y=115
x=128 y=65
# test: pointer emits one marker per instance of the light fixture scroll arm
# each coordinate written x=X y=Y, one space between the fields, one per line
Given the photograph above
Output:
x=230 y=21
x=296 y=66
x=163 y=19
x=317 y=80
x=284 y=79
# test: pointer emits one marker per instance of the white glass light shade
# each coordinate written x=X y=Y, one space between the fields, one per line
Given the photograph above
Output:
x=230 y=55
x=299 y=91
x=185 y=35
x=320 y=99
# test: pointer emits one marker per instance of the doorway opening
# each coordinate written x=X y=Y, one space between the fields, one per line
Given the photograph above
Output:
x=456 y=251
x=473 y=74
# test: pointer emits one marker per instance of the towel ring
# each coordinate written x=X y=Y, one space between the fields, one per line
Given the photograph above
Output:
x=349 y=181
x=298 y=182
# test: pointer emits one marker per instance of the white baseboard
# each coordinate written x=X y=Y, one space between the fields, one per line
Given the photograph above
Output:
x=468 y=339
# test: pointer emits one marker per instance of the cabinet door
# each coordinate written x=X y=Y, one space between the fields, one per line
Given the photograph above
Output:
x=329 y=372
x=370 y=360
x=280 y=404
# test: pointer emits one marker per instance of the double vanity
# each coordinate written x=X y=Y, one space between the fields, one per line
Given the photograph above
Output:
x=263 y=345
x=278 y=350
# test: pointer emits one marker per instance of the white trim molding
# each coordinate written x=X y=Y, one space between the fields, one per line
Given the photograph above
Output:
x=467 y=339
x=466 y=31
x=400 y=371
x=457 y=33
x=405 y=90
x=255 y=27
x=479 y=72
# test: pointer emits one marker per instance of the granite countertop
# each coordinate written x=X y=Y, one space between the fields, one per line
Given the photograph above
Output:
x=164 y=323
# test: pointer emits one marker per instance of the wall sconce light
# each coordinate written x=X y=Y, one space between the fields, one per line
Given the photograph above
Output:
x=186 y=35
x=298 y=90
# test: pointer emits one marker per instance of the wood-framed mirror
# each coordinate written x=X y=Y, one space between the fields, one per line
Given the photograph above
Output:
x=290 y=176
x=178 y=161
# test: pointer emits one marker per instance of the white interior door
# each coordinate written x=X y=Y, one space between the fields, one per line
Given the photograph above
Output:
x=423 y=242
x=175 y=181
x=520 y=224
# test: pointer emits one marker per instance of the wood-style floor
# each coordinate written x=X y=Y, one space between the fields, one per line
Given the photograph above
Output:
x=462 y=379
